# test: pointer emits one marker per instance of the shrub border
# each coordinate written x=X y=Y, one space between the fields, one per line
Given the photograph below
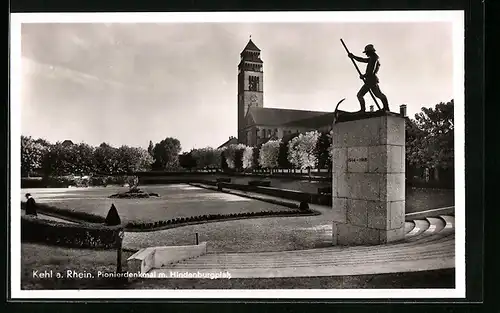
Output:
x=74 y=216
x=210 y=218
x=174 y=222
x=99 y=229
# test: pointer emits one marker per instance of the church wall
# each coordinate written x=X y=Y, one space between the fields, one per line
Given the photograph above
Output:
x=257 y=134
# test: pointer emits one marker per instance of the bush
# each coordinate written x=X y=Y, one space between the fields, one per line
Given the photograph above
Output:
x=263 y=183
x=99 y=180
x=325 y=190
x=112 y=219
x=32 y=182
x=223 y=180
x=68 y=235
x=304 y=206
x=117 y=180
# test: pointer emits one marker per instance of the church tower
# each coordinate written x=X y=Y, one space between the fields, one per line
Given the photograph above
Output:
x=250 y=85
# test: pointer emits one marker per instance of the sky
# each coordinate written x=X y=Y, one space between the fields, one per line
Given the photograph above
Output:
x=127 y=84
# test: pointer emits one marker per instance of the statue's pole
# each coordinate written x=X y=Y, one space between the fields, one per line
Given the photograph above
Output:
x=359 y=72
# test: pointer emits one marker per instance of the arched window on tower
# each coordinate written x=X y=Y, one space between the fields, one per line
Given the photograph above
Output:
x=253 y=83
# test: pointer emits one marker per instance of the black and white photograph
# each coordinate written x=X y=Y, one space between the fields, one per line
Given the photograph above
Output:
x=265 y=154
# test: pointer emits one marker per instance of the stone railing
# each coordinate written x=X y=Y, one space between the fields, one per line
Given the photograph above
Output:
x=156 y=257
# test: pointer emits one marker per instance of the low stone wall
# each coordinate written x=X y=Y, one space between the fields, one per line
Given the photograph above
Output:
x=323 y=199
x=160 y=180
x=156 y=257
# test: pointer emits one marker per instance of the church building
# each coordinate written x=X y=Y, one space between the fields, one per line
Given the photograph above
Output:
x=257 y=124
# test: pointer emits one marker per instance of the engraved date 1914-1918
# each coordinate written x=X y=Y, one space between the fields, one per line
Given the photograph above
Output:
x=357 y=159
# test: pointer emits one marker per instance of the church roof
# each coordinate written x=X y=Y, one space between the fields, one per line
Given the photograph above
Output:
x=280 y=117
x=251 y=46
x=313 y=122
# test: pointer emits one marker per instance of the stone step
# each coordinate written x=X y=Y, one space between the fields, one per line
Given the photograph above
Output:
x=450 y=221
x=445 y=250
x=409 y=225
x=341 y=249
x=368 y=263
x=330 y=270
x=436 y=225
x=420 y=227
x=428 y=244
x=280 y=257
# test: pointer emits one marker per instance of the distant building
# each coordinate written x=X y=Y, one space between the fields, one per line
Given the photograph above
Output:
x=257 y=124
x=231 y=141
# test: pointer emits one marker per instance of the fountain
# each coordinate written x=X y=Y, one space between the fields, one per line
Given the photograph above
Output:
x=134 y=192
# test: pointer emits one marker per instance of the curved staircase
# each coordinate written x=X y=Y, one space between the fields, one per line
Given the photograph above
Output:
x=429 y=244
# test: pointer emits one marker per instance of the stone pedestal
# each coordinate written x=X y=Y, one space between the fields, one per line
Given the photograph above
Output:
x=368 y=185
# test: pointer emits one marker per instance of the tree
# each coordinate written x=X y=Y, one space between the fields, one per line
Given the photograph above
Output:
x=247 y=159
x=302 y=150
x=283 y=153
x=187 y=161
x=81 y=159
x=323 y=150
x=223 y=161
x=206 y=158
x=132 y=159
x=255 y=157
x=166 y=154
x=106 y=159
x=151 y=148
x=430 y=138
x=59 y=160
x=32 y=155
x=143 y=161
x=234 y=154
x=238 y=158
x=268 y=154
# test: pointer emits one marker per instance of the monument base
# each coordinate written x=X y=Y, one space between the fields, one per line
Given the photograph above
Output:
x=350 y=235
x=368 y=186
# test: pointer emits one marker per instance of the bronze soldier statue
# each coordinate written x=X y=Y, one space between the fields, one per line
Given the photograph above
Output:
x=370 y=77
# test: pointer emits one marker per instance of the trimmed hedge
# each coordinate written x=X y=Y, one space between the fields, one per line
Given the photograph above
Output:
x=263 y=183
x=66 y=181
x=325 y=190
x=211 y=217
x=78 y=215
x=32 y=182
x=223 y=180
x=69 y=235
x=322 y=199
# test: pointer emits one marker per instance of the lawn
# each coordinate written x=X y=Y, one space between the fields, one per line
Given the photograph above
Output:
x=174 y=201
x=246 y=235
x=37 y=259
